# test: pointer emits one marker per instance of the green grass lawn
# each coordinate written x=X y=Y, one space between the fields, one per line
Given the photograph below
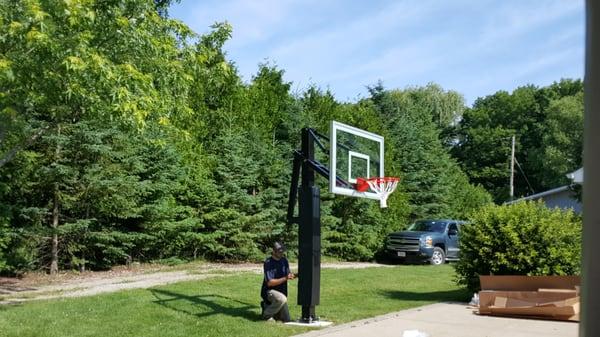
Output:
x=228 y=306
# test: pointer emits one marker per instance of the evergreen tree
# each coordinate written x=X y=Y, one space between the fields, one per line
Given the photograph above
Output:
x=430 y=177
x=69 y=62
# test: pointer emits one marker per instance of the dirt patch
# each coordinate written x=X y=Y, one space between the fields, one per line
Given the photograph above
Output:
x=41 y=286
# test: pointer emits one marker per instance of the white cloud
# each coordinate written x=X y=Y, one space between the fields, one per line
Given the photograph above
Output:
x=252 y=21
x=379 y=45
x=522 y=71
x=518 y=18
x=352 y=35
x=467 y=44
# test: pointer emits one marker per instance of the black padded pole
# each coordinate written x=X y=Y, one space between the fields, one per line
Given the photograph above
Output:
x=309 y=238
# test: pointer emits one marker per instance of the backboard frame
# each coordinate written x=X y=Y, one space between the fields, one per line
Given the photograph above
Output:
x=333 y=188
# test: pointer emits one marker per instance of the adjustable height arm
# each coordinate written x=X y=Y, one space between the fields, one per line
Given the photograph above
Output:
x=294 y=188
x=324 y=171
x=299 y=158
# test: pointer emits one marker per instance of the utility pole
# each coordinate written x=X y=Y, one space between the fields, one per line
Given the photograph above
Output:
x=590 y=273
x=512 y=169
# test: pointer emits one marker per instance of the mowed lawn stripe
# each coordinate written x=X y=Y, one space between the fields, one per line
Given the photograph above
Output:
x=228 y=306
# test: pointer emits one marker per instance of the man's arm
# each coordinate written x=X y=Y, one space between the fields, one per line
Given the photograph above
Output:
x=277 y=281
x=274 y=282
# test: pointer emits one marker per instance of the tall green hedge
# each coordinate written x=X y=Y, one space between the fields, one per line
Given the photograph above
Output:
x=110 y=156
x=521 y=239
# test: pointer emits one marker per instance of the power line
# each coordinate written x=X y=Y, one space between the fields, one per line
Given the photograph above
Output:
x=524 y=175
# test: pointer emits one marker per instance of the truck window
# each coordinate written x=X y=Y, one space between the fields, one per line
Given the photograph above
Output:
x=428 y=226
x=452 y=226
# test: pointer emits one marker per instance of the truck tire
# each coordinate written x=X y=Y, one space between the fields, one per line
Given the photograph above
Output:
x=439 y=257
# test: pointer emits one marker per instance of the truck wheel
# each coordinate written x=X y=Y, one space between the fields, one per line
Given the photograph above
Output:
x=439 y=257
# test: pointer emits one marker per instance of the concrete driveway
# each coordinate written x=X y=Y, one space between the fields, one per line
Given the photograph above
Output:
x=448 y=320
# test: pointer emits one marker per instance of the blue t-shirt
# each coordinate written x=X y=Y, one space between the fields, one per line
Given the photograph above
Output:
x=274 y=269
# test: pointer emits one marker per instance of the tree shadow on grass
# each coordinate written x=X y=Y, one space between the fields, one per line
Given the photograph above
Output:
x=458 y=295
x=216 y=304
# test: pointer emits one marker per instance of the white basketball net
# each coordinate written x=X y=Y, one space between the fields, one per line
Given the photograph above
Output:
x=383 y=187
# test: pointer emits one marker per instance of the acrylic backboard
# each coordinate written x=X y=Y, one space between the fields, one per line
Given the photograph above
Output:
x=354 y=153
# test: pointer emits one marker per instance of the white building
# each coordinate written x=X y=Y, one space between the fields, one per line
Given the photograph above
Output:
x=562 y=197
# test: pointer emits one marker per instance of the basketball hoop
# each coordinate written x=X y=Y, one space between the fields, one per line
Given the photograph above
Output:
x=382 y=186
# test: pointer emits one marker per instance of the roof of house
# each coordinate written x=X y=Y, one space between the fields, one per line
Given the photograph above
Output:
x=576 y=176
x=540 y=195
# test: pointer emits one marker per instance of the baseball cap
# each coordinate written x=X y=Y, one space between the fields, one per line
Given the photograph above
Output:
x=279 y=247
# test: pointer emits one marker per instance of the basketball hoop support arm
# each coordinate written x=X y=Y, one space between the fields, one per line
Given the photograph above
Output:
x=299 y=159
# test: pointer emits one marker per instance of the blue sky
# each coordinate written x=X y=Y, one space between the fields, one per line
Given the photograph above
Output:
x=475 y=47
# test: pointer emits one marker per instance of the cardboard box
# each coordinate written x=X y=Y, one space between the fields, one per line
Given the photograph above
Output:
x=547 y=297
x=528 y=283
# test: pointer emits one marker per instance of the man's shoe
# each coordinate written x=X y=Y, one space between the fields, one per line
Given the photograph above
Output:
x=271 y=320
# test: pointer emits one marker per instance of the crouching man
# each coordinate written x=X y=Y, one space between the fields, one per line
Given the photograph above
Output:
x=274 y=287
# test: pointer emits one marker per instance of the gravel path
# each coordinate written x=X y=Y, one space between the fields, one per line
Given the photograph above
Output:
x=16 y=291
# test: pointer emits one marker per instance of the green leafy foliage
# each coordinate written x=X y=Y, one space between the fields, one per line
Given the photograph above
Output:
x=434 y=183
x=356 y=229
x=562 y=144
x=520 y=239
x=246 y=214
x=124 y=136
x=547 y=124
x=4 y=242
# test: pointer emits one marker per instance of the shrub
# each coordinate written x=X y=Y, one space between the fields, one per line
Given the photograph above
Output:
x=4 y=242
x=521 y=239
